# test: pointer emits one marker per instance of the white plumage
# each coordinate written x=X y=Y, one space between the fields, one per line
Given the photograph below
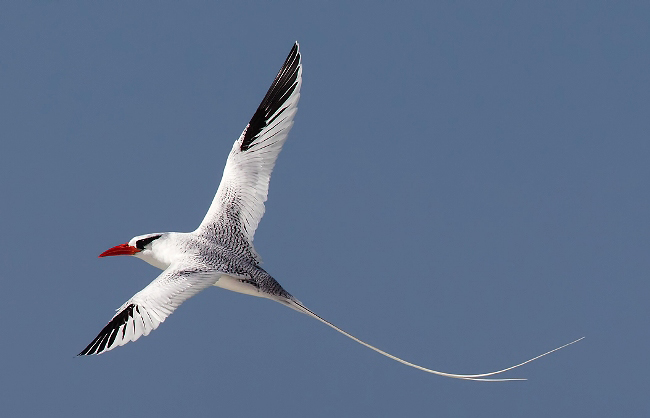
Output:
x=220 y=251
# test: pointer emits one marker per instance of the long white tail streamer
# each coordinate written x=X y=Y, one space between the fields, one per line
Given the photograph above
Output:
x=298 y=306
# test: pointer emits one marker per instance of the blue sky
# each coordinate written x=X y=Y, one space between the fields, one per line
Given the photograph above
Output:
x=466 y=186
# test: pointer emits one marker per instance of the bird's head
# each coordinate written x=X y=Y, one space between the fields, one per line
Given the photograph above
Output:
x=154 y=249
x=140 y=245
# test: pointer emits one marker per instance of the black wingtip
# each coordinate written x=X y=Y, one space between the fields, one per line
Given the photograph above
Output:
x=108 y=334
x=283 y=85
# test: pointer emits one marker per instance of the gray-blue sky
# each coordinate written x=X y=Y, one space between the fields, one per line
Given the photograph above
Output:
x=465 y=186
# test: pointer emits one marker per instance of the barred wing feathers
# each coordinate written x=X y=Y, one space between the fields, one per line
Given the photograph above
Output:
x=238 y=205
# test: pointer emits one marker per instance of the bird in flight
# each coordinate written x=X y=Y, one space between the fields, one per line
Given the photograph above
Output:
x=220 y=251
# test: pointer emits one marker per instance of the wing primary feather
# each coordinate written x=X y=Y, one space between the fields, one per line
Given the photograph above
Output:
x=108 y=334
x=111 y=340
x=102 y=344
x=283 y=85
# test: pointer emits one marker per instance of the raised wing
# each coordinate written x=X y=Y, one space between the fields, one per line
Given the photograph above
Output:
x=150 y=307
x=238 y=205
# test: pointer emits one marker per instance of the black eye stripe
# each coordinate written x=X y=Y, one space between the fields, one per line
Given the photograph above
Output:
x=141 y=243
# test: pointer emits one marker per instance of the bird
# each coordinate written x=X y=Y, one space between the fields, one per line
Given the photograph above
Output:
x=220 y=251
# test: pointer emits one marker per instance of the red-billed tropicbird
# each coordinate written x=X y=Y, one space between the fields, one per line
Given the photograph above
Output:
x=220 y=251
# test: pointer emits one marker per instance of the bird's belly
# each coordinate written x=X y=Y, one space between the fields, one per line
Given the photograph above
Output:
x=236 y=285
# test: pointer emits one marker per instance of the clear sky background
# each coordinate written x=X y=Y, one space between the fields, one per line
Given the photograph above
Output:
x=466 y=186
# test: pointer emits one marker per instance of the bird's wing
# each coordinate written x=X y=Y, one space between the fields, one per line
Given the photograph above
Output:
x=238 y=204
x=149 y=307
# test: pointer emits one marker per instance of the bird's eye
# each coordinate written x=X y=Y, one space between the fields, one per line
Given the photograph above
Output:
x=141 y=243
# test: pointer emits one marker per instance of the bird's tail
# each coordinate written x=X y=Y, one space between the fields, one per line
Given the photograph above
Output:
x=482 y=377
